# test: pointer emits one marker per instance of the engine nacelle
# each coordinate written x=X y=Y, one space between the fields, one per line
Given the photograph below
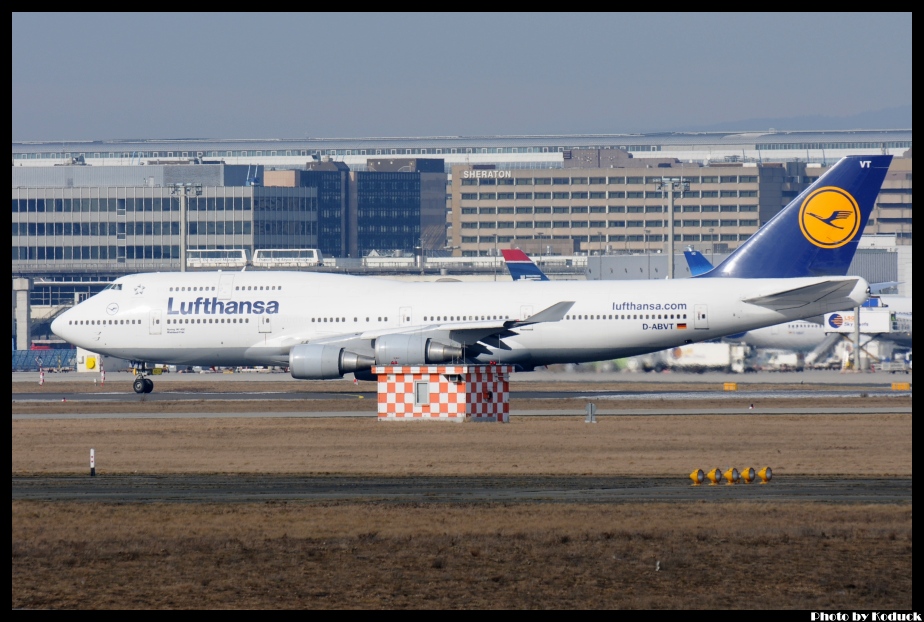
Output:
x=414 y=349
x=311 y=361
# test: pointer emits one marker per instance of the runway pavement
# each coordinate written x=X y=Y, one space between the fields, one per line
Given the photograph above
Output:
x=819 y=376
x=648 y=412
x=242 y=488
x=542 y=385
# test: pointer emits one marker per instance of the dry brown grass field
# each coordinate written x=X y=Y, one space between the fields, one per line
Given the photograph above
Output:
x=384 y=556
x=336 y=555
x=671 y=446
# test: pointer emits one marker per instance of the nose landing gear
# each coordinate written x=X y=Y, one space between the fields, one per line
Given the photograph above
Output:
x=142 y=383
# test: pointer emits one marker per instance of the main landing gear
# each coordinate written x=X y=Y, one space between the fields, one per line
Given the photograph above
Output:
x=142 y=383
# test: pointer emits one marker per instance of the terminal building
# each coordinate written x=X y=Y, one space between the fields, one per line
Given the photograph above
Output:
x=77 y=227
x=548 y=151
x=608 y=202
x=393 y=205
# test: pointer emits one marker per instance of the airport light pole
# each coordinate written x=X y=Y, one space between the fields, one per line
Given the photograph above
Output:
x=494 y=257
x=540 y=235
x=669 y=185
x=183 y=190
x=711 y=246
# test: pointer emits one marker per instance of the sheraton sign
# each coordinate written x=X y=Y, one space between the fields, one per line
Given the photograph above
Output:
x=486 y=174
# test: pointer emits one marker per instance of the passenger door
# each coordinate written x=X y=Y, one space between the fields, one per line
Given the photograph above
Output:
x=154 y=326
x=700 y=316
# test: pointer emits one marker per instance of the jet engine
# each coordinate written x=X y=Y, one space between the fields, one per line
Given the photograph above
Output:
x=313 y=361
x=413 y=350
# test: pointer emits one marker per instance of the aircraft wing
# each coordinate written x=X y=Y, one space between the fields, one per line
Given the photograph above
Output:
x=472 y=331
x=464 y=332
x=834 y=292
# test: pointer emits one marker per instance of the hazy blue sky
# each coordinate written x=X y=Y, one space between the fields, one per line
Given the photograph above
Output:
x=163 y=75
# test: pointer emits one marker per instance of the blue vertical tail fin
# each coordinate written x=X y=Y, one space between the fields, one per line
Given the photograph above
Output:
x=697 y=262
x=818 y=232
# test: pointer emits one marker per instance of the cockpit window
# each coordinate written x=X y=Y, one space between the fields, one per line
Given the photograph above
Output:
x=113 y=286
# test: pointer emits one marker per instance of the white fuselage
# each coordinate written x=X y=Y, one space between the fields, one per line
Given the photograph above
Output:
x=255 y=318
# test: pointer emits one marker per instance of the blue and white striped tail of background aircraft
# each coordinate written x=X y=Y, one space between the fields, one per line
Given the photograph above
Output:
x=323 y=326
x=521 y=267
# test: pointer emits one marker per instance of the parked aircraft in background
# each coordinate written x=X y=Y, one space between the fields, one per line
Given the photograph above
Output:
x=326 y=325
x=697 y=262
x=521 y=267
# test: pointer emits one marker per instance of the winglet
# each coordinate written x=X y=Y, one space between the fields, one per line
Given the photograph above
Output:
x=552 y=314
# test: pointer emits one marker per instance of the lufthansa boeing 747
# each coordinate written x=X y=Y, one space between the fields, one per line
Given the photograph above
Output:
x=323 y=326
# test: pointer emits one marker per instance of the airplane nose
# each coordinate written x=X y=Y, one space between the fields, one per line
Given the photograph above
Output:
x=59 y=326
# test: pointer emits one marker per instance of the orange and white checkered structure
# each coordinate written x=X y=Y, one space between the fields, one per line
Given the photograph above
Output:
x=444 y=392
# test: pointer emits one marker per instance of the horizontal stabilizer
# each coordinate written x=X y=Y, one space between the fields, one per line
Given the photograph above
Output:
x=836 y=291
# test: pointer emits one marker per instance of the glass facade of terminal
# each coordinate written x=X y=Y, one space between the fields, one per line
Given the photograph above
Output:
x=139 y=228
x=387 y=212
x=331 y=205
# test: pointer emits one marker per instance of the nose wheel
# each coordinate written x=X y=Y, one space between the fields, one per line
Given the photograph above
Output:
x=143 y=385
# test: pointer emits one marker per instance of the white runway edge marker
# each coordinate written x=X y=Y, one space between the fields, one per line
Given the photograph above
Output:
x=92 y=462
